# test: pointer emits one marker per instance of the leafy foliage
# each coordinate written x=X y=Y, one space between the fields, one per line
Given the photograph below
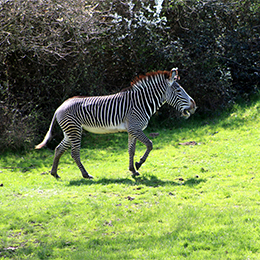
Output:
x=218 y=42
x=52 y=50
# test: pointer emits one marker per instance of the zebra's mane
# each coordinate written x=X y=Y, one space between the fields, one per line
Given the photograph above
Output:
x=148 y=75
x=134 y=84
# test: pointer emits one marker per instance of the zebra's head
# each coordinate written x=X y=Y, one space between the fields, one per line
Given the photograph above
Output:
x=177 y=97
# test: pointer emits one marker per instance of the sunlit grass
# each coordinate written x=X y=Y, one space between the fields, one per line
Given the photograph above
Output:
x=190 y=202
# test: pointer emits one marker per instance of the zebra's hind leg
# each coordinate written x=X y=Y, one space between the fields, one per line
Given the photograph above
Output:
x=75 y=154
x=59 y=151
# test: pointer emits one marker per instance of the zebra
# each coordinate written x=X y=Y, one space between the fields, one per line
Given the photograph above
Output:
x=127 y=111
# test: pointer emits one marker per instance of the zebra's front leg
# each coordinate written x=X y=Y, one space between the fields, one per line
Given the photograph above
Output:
x=131 y=151
x=149 y=146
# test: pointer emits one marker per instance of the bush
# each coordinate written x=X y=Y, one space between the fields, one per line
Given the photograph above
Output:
x=52 y=50
x=44 y=47
x=218 y=43
x=17 y=127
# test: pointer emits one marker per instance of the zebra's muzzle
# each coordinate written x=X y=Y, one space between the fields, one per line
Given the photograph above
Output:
x=191 y=110
x=185 y=113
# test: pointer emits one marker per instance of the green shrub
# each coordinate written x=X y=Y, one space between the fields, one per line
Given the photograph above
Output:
x=52 y=50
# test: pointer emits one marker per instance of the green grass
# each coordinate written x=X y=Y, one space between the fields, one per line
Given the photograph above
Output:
x=190 y=202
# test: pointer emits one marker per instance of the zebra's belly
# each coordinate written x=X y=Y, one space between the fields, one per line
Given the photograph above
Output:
x=105 y=130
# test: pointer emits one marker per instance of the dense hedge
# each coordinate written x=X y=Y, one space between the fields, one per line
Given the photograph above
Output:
x=51 y=50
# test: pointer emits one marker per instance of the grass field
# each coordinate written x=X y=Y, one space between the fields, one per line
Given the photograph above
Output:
x=190 y=202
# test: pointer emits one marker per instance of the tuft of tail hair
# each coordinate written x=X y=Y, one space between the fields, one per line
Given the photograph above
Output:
x=48 y=134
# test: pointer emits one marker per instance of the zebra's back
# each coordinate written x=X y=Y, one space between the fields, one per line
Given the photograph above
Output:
x=101 y=114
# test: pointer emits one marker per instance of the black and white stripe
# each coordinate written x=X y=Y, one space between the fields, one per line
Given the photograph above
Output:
x=129 y=110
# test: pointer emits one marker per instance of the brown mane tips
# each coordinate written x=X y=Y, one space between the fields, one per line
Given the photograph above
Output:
x=150 y=74
x=78 y=97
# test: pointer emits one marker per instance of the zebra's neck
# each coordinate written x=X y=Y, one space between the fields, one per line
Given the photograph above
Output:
x=148 y=93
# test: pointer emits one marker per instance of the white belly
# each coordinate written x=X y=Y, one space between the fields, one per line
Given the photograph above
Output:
x=106 y=130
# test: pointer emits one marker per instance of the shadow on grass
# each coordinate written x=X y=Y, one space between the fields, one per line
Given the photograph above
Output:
x=151 y=181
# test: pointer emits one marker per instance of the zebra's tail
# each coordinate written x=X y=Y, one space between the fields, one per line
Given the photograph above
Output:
x=48 y=134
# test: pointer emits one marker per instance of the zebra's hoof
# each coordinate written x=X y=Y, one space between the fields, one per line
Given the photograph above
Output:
x=137 y=165
x=55 y=175
x=135 y=174
x=88 y=176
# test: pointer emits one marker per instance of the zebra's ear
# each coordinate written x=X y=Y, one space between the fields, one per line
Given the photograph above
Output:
x=174 y=74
